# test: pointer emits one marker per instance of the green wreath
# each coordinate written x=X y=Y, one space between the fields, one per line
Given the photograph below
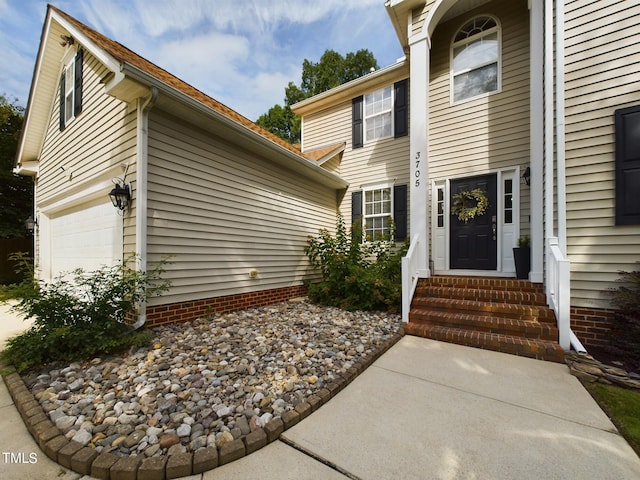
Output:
x=465 y=213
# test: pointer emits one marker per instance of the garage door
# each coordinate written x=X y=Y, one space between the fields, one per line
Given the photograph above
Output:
x=88 y=237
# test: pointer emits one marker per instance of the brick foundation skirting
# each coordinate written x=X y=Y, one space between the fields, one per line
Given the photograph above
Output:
x=186 y=311
x=592 y=325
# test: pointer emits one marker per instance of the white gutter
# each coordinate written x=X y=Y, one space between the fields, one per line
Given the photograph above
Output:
x=142 y=154
x=560 y=131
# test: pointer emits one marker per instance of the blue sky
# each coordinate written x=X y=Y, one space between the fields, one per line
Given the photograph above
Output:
x=241 y=52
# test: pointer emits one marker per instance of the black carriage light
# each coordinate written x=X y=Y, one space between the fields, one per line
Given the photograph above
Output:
x=30 y=223
x=120 y=196
x=526 y=176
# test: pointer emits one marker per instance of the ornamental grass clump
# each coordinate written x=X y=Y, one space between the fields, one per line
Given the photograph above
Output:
x=355 y=275
x=82 y=314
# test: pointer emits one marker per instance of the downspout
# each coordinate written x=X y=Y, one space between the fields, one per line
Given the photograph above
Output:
x=548 y=120
x=142 y=152
x=560 y=131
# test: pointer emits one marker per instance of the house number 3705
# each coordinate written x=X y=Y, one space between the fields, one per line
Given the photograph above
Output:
x=417 y=171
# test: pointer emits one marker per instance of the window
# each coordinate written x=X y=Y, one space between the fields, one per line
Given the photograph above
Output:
x=475 y=59
x=508 y=201
x=440 y=206
x=380 y=114
x=71 y=89
x=375 y=206
x=377 y=114
x=377 y=212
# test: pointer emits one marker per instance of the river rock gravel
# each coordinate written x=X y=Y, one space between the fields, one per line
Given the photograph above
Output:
x=209 y=381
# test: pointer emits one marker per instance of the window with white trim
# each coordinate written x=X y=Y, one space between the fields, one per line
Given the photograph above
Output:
x=378 y=208
x=475 y=59
x=69 y=90
x=378 y=114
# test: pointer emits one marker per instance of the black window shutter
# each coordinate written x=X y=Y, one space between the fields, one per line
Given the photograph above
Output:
x=77 y=101
x=627 y=125
x=62 y=120
x=400 y=211
x=401 y=108
x=357 y=136
x=356 y=212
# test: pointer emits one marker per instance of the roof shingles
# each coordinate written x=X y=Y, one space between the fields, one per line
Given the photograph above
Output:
x=124 y=55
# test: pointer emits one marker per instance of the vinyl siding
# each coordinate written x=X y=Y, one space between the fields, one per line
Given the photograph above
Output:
x=89 y=150
x=384 y=161
x=223 y=212
x=92 y=146
x=602 y=73
x=491 y=132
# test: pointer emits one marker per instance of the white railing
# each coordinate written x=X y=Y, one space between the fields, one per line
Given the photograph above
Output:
x=409 y=276
x=559 y=294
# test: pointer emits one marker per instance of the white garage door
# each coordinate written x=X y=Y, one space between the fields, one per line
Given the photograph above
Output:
x=88 y=237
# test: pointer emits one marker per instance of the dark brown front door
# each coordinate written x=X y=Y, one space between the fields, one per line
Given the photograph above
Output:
x=473 y=244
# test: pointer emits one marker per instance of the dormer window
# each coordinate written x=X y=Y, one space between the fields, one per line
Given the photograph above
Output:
x=71 y=89
x=475 y=59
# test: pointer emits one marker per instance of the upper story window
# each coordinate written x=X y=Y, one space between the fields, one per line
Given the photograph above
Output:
x=475 y=59
x=71 y=89
x=378 y=120
x=381 y=114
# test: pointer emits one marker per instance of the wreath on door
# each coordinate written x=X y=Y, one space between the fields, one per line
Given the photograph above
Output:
x=470 y=204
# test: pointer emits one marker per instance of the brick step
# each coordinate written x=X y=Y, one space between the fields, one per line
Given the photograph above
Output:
x=508 y=310
x=491 y=283
x=525 y=347
x=484 y=323
x=485 y=295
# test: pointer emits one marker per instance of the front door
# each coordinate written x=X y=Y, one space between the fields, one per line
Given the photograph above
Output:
x=473 y=243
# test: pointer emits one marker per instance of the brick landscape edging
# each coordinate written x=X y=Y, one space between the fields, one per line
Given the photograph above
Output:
x=86 y=461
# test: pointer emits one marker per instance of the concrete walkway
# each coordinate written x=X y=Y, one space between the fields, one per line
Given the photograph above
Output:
x=424 y=410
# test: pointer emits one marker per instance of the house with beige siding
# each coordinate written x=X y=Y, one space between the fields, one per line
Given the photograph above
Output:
x=504 y=120
x=230 y=203
x=536 y=105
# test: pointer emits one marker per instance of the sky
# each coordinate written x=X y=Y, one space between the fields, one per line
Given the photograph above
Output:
x=243 y=53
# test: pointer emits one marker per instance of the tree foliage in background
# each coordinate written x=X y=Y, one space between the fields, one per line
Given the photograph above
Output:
x=16 y=191
x=625 y=336
x=332 y=70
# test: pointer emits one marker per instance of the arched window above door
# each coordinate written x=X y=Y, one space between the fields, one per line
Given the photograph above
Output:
x=475 y=59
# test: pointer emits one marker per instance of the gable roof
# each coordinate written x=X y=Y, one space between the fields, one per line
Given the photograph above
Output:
x=125 y=63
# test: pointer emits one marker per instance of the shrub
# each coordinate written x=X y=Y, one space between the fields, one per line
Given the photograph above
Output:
x=355 y=275
x=625 y=336
x=82 y=314
x=24 y=269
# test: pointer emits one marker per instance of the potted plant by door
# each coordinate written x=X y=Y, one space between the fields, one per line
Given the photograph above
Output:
x=522 y=257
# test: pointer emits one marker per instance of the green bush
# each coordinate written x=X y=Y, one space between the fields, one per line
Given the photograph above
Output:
x=355 y=275
x=625 y=336
x=24 y=269
x=82 y=314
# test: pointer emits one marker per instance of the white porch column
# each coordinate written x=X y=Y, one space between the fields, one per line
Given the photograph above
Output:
x=536 y=41
x=419 y=180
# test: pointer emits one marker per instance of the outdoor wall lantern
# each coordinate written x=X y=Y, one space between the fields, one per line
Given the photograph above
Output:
x=526 y=176
x=120 y=196
x=30 y=223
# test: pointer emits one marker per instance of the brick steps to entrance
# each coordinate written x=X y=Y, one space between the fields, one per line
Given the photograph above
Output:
x=504 y=315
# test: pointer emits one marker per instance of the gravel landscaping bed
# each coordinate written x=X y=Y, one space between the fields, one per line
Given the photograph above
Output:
x=211 y=381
